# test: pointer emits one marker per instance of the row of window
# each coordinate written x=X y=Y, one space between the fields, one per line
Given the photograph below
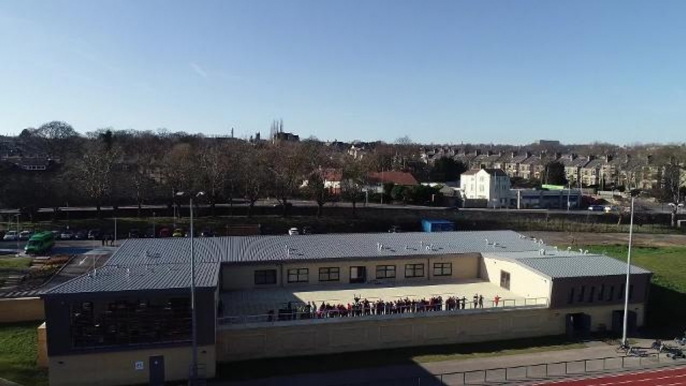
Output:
x=603 y=294
x=301 y=275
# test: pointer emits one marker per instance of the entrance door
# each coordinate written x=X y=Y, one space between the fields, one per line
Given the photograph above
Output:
x=156 y=370
x=358 y=274
x=578 y=325
x=505 y=280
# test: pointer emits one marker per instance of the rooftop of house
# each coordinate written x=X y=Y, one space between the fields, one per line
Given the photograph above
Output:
x=153 y=264
x=398 y=178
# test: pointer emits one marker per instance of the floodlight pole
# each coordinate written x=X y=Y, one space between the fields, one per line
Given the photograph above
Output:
x=628 y=275
x=194 y=362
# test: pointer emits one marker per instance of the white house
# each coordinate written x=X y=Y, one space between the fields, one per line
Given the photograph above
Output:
x=492 y=185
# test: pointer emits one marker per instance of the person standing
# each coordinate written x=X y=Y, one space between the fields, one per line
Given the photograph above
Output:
x=476 y=300
x=496 y=300
x=481 y=301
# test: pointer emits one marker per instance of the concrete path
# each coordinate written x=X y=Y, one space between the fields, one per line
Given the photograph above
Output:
x=383 y=375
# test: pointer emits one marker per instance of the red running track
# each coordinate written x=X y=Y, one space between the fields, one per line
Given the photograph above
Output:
x=673 y=377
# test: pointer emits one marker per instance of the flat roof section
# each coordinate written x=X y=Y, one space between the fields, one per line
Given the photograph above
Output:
x=259 y=302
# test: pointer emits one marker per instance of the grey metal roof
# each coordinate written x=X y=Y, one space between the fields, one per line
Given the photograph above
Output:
x=562 y=263
x=113 y=278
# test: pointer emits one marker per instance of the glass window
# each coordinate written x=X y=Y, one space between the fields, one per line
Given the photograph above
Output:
x=129 y=322
x=329 y=274
x=612 y=293
x=265 y=276
x=591 y=295
x=581 y=293
x=414 y=270
x=385 y=271
x=601 y=294
x=570 y=300
x=443 y=269
x=298 y=275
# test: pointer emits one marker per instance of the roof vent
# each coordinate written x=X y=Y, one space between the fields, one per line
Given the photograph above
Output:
x=581 y=251
x=541 y=252
x=128 y=272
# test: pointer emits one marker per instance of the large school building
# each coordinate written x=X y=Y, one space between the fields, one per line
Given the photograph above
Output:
x=129 y=322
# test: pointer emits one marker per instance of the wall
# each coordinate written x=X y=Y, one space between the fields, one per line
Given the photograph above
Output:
x=523 y=281
x=21 y=310
x=109 y=369
x=42 y=349
x=562 y=290
x=241 y=277
x=382 y=332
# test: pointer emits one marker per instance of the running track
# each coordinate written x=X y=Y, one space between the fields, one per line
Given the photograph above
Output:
x=672 y=377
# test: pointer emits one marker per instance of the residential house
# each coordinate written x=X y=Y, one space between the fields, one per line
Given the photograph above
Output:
x=491 y=185
x=513 y=162
x=376 y=181
x=573 y=164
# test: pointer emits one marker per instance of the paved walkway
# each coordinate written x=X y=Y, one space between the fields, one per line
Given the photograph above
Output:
x=379 y=375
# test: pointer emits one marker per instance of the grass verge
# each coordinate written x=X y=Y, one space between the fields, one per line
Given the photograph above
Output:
x=18 y=354
x=264 y=368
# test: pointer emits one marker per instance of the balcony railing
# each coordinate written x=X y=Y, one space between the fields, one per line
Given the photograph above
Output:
x=378 y=310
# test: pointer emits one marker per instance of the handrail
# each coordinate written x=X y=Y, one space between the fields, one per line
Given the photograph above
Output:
x=388 y=309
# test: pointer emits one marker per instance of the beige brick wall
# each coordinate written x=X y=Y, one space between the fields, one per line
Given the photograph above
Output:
x=241 y=277
x=118 y=368
x=21 y=310
x=523 y=282
x=341 y=335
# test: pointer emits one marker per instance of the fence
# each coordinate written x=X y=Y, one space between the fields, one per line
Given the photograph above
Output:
x=541 y=371
x=387 y=309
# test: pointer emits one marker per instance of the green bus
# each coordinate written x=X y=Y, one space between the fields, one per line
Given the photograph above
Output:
x=40 y=243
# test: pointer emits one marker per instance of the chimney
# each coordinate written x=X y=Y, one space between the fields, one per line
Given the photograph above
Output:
x=477 y=152
x=608 y=158
x=514 y=154
x=528 y=154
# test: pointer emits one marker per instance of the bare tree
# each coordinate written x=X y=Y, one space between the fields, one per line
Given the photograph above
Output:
x=94 y=171
x=353 y=180
x=252 y=175
x=671 y=188
x=286 y=164
x=54 y=137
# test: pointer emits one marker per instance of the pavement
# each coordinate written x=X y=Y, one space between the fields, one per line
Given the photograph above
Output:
x=430 y=373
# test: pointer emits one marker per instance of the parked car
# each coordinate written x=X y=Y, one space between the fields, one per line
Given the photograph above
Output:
x=307 y=230
x=395 y=229
x=149 y=234
x=25 y=235
x=56 y=234
x=207 y=233
x=596 y=208
x=178 y=232
x=11 y=236
x=66 y=235
x=94 y=234
x=165 y=232
x=280 y=205
x=293 y=231
x=135 y=234
x=80 y=235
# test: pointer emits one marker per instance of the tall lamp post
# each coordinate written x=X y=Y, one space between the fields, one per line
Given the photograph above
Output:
x=194 y=330
x=633 y=193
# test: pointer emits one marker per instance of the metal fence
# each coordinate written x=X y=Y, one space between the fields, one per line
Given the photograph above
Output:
x=528 y=373
x=295 y=314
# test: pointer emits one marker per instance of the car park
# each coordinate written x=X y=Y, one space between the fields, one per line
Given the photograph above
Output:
x=66 y=235
x=25 y=235
x=11 y=236
x=94 y=234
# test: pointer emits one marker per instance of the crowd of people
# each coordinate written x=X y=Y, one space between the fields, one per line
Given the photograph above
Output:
x=363 y=307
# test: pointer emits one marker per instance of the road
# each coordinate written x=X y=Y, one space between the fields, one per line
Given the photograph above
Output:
x=671 y=377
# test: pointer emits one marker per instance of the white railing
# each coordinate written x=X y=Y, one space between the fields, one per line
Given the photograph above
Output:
x=375 y=309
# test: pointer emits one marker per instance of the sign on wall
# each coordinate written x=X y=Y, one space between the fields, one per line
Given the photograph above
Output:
x=138 y=365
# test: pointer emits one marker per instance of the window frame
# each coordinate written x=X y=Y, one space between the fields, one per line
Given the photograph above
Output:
x=329 y=272
x=298 y=275
x=264 y=271
x=441 y=266
x=413 y=268
x=386 y=269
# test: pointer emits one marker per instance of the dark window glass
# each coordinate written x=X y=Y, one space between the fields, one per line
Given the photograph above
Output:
x=414 y=270
x=570 y=300
x=385 y=271
x=601 y=293
x=631 y=291
x=612 y=293
x=581 y=293
x=621 y=293
x=298 y=275
x=443 y=269
x=265 y=276
x=329 y=274
x=130 y=322
x=591 y=295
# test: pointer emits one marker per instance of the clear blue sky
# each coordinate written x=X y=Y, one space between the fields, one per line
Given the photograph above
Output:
x=439 y=71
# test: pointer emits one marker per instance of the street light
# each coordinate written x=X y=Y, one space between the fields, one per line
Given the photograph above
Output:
x=194 y=333
x=634 y=193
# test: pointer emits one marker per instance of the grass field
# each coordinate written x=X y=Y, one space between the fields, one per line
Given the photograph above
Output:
x=18 y=355
x=403 y=356
x=666 y=314
x=9 y=265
